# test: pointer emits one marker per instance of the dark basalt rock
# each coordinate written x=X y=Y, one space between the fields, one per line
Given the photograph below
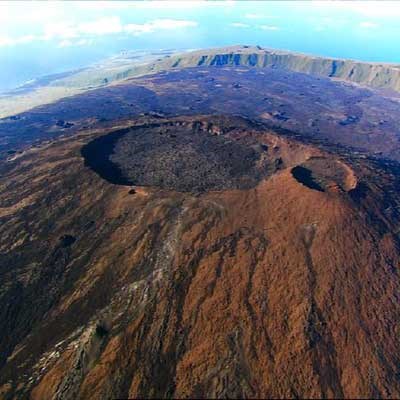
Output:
x=351 y=119
x=67 y=240
x=101 y=330
x=63 y=124
x=188 y=157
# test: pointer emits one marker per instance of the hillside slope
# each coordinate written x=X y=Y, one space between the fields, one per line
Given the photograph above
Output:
x=287 y=288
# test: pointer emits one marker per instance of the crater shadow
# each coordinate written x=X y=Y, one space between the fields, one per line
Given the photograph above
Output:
x=304 y=176
x=97 y=157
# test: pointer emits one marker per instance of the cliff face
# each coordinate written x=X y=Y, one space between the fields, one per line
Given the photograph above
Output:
x=282 y=289
x=385 y=76
x=378 y=75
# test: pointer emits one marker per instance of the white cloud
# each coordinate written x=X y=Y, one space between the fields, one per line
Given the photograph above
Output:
x=61 y=29
x=158 y=24
x=259 y=16
x=67 y=30
x=103 y=5
x=26 y=39
x=138 y=29
x=181 y=4
x=68 y=33
x=65 y=43
x=80 y=42
x=29 y=11
x=102 y=26
x=269 y=27
x=9 y=41
x=84 y=42
x=368 y=25
x=155 y=4
x=239 y=25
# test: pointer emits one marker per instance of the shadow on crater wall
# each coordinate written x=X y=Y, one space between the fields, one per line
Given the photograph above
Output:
x=304 y=176
x=97 y=157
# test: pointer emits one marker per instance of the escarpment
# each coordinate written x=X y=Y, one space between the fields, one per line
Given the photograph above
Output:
x=373 y=74
x=55 y=87
x=378 y=75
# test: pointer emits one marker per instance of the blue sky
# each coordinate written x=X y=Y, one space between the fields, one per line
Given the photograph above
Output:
x=38 y=38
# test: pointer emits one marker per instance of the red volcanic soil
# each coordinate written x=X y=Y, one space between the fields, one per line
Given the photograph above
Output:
x=275 y=290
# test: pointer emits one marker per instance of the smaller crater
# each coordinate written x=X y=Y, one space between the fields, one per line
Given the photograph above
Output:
x=325 y=175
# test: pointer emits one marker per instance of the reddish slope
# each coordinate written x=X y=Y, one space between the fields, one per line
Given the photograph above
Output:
x=274 y=291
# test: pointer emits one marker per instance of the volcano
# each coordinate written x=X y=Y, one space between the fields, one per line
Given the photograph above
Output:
x=198 y=256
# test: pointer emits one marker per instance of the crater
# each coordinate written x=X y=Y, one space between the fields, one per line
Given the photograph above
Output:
x=305 y=177
x=325 y=174
x=181 y=155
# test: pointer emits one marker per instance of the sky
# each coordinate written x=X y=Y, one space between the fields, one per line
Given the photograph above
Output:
x=39 y=38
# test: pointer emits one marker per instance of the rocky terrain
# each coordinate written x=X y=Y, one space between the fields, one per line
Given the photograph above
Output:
x=360 y=119
x=189 y=156
x=152 y=287
x=378 y=75
x=49 y=89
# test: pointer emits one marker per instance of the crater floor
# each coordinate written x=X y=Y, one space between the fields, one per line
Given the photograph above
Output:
x=324 y=174
x=192 y=155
